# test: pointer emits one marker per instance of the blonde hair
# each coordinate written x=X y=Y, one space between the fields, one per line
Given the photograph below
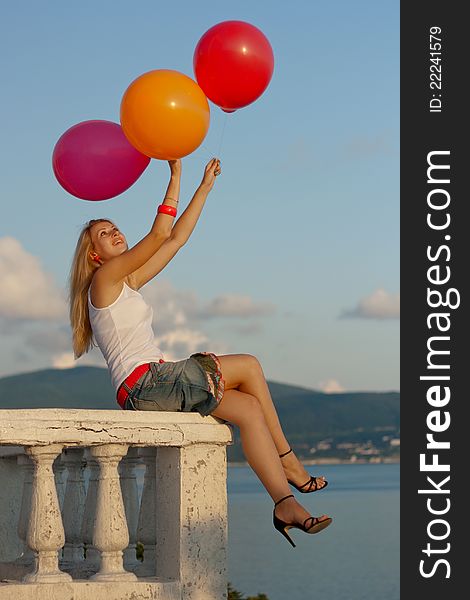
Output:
x=81 y=273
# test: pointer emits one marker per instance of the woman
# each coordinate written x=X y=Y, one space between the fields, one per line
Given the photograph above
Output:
x=105 y=305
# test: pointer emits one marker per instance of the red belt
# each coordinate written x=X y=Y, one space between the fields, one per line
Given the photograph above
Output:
x=129 y=381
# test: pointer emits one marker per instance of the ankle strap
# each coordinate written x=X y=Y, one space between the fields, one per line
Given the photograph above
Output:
x=281 y=455
x=285 y=497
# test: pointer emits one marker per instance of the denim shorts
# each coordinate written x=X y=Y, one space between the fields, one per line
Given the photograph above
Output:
x=189 y=385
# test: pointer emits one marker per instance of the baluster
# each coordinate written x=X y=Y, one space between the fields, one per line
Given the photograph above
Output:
x=45 y=533
x=72 y=509
x=146 y=528
x=110 y=534
x=27 y=466
x=130 y=496
x=92 y=558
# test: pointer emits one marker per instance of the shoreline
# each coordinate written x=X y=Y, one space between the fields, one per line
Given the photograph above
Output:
x=332 y=461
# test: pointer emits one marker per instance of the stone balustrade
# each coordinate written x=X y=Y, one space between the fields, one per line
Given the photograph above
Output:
x=71 y=515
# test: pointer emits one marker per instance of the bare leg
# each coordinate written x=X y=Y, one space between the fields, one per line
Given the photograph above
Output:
x=260 y=451
x=243 y=372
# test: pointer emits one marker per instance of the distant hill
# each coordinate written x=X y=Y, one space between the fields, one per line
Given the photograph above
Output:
x=80 y=387
x=308 y=417
x=302 y=410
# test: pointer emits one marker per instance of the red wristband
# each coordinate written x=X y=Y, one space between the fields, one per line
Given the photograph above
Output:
x=167 y=209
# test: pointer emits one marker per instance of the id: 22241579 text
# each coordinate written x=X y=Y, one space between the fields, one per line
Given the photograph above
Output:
x=435 y=71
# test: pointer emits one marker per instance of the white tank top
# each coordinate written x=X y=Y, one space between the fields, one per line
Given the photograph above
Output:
x=124 y=334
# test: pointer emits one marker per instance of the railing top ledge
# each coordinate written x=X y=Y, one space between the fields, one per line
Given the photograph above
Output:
x=85 y=427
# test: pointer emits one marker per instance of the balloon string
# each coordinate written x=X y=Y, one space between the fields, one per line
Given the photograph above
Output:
x=206 y=148
x=222 y=137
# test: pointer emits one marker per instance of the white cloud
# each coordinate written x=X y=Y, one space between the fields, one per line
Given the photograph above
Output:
x=180 y=343
x=330 y=386
x=65 y=360
x=49 y=339
x=234 y=305
x=378 y=305
x=172 y=308
x=179 y=317
x=28 y=292
x=93 y=358
x=183 y=308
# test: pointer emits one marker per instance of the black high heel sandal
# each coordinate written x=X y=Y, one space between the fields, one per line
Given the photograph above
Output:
x=314 y=527
x=311 y=482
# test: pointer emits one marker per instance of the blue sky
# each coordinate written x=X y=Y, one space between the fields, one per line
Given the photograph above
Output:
x=296 y=255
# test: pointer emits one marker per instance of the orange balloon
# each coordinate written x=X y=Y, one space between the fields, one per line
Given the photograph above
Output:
x=165 y=114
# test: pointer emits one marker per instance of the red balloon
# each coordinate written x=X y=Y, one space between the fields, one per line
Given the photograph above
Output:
x=233 y=64
x=93 y=160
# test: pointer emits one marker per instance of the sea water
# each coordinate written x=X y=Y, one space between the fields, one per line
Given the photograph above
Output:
x=355 y=558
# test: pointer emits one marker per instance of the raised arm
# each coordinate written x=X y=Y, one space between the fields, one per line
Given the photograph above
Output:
x=182 y=228
x=173 y=190
x=185 y=225
x=119 y=267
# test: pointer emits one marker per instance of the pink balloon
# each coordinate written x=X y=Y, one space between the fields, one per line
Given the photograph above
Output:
x=93 y=160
